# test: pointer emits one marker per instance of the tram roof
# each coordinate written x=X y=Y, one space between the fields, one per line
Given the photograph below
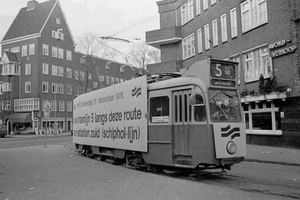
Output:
x=177 y=82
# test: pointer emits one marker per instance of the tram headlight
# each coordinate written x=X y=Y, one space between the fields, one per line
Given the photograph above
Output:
x=231 y=147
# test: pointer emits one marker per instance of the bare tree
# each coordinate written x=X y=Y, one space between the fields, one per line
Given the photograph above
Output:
x=92 y=51
x=142 y=55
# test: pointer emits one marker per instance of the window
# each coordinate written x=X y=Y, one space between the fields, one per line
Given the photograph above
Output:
x=257 y=62
x=45 y=68
x=54 y=88
x=27 y=69
x=69 y=106
x=224 y=28
x=122 y=68
x=199 y=109
x=107 y=66
x=233 y=22
x=188 y=46
x=45 y=86
x=54 y=70
x=31 y=49
x=159 y=109
x=5 y=105
x=24 y=50
x=60 y=53
x=69 y=89
x=215 y=33
x=60 y=71
x=15 y=49
x=237 y=59
x=57 y=21
x=45 y=50
x=69 y=55
x=60 y=88
x=254 y=13
x=205 y=4
x=61 y=106
x=53 y=105
x=10 y=69
x=187 y=12
x=54 y=52
x=27 y=87
x=6 y=87
x=207 y=37
x=69 y=72
x=198 y=7
x=224 y=105
x=199 y=35
x=213 y=2
x=262 y=118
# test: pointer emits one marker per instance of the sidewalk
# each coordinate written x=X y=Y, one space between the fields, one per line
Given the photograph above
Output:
x=277 y=155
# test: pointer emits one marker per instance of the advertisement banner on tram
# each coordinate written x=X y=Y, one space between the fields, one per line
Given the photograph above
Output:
x=114 y=116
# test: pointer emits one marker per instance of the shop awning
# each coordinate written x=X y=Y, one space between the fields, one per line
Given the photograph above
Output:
x=21 y=117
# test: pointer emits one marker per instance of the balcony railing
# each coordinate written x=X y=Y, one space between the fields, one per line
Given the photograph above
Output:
x=24 y=105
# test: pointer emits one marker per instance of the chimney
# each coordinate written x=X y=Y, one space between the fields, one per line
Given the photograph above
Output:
x=31 y=4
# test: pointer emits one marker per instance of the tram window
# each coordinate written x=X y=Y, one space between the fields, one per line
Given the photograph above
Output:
x=176 y=108
x=159 y=109
x=180 y=108
x=199 y=109
x=185 y=108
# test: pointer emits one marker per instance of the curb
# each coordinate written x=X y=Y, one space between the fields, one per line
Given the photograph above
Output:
x=272 y=162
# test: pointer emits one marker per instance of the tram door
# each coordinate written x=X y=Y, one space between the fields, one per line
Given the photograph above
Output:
x=182 y=117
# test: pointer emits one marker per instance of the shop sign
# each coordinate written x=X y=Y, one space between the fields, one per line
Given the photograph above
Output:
x=280 y=49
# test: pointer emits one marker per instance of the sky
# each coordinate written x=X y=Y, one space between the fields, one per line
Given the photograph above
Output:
x=125 y=19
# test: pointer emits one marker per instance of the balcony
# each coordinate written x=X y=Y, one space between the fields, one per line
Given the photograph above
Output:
x=25 y=105
x=170 y=66
x=159 y=37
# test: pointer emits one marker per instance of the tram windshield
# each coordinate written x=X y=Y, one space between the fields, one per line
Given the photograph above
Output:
x=224 y=105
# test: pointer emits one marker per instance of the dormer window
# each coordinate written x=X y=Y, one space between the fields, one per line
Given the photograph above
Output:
x=107 y=65
x=122 y=68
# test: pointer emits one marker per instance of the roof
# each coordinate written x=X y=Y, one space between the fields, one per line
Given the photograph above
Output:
x=30 y=22
x=12 y=57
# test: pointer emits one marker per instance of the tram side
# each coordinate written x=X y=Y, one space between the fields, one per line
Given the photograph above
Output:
x=171 y=123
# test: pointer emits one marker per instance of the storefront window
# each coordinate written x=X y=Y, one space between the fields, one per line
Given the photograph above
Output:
x=262 y=118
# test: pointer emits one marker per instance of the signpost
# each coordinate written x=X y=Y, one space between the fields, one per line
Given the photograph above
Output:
x=47 y=111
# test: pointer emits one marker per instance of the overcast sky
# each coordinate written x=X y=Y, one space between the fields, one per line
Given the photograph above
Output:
x=126 y=19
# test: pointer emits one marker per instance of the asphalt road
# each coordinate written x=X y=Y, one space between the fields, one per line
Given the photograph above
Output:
x=57 y=172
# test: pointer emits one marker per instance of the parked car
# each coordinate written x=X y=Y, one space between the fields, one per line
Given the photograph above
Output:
x=3 y=130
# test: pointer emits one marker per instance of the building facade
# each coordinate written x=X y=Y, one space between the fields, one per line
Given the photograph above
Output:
x=261 y=35
x=39 y=64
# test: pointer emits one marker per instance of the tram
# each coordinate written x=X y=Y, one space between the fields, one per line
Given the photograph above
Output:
x=190 y=121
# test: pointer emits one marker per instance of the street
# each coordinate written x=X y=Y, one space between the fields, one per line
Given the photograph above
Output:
x=56 y=172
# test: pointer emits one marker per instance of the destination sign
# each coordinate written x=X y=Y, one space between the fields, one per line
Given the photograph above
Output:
x=226 y=83
x=222 y=71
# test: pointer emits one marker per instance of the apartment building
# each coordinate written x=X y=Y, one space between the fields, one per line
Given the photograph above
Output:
x=39 y=64
x=261 y=35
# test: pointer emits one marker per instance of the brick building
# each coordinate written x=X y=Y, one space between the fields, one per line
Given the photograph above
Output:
x=262 y=35
x=39 y=64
